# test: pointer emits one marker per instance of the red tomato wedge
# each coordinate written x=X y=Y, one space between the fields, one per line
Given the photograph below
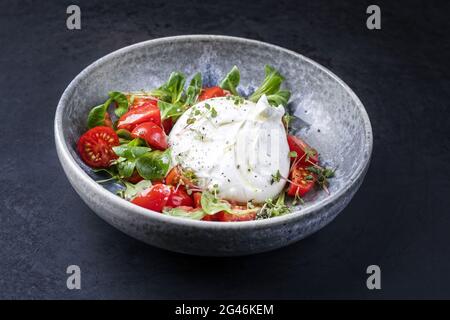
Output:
x=305 y=154
x=154 y=198
x=229 y=217
x=211 y=217
x=179 y=198
x=224 y=216
x=142 y=101
x=197 y=198
x=138 y=115
x=302 y=181
x=213 y=92
x=175 y=176
x=160 y=195
x=167 y=125
x=95 y=147
x=152 y=133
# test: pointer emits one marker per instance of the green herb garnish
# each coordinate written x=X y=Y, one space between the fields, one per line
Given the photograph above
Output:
x=276 y=177
x=273 y=209
x=322 y=175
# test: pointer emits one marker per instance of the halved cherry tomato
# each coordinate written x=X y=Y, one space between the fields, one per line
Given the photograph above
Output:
x=138 y=115
x=167 y=125
x=95 y=147
x=197 y=199
x=160 y=195
x=179 y=198
x=152 y=133
x=211 y=217
x=229 y=217
x=142 y=101
x=304 y=152
x=175 y=177
x=213 y=92
x=135 y=177
x=154 y=198
x=302 y=181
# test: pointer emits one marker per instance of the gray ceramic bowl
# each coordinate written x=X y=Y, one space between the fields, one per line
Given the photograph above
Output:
x=333 y=120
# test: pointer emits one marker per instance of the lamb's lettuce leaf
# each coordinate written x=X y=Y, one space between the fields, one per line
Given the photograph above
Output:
x=231 y=81
x=211 y=204
x=194 y=89
x=122 y=102
x=196 y=214
x=153 y=165
x=271 y=88
x=96 y=116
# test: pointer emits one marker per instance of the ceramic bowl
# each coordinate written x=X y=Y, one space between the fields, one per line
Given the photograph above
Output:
x=332 y=119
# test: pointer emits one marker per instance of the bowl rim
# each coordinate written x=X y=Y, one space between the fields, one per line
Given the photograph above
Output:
x=69 y=163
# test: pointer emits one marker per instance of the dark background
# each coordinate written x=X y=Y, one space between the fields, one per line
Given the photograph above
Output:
x=398 y=220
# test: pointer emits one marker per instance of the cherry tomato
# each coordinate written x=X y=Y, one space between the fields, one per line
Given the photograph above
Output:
x=197 y=199
x=95 y=147
x=135 y=177
x=138 y=115
x=142 y=101
x=179 y=198
x=229 y=217
x=175 y=176
x=152 y=133
x=167 y=125
x=301 y=148
x=224 y=216
x=154 y=198
x=302 y=181
x=213 y=92
x=211 y=217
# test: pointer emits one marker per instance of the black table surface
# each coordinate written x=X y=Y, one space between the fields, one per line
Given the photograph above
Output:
x=399 y=219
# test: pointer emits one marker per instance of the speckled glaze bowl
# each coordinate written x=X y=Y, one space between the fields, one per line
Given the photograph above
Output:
x=333 y=120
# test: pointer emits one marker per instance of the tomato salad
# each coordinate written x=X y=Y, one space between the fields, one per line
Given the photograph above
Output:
x=162 y=147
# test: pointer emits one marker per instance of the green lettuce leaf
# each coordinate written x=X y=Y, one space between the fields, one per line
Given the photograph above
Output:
x=130 y=152
x=196 y=214
x=194 y=88
x=172 y=90
x=169 y=110
x=153 y=165
x=132 y=190
x=281 y=97
x=211 y=204
x=96 y=116
x=231 y=81
x=271 y=88
x=122 y=102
